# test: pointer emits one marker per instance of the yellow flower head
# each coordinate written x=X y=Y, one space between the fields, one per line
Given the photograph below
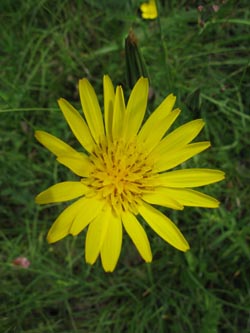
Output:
x=124 y=172
x=149 y=10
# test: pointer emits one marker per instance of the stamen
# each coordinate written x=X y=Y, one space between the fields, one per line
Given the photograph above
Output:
x=120 y=174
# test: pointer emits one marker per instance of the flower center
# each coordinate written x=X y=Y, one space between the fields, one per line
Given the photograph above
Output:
x=120 y=174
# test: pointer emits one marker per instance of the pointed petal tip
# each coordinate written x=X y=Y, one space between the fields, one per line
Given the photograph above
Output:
x=198 y=121
x=39 y=134
x=185 y=246
x=50 y=238
x=62 y=102
x=108 y=269
x=144 y=80
x=53 y=237
x=106 y=77
x=171 y=98
x=148 y=260
x=171 y=95
x=90 y=262
x=107 y=82
x=216 y=205
x=223 y=175
x=64 y=105
x=83 y=81
x=177 y=110
x=119 y=89
x=37 y=200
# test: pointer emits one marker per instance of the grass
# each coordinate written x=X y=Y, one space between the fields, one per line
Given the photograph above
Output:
x=45 y=48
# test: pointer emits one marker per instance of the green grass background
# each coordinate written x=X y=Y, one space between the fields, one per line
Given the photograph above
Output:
x=45 y=47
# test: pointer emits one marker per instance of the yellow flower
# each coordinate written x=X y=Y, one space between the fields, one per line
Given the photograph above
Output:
x=149 y=10
x=124 y=172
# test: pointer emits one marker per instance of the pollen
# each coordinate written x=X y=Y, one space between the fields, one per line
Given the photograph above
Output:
x=120 y=174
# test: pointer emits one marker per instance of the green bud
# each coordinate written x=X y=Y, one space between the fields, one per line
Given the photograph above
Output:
x=135 y=64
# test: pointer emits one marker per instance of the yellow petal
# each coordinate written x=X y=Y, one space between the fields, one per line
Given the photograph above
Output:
x=109 y=97
x=187 y=197
x=158 y=197
x=174 y=158
x=62 y=224
x=163 y=226
x=91 y=109
x=53 y=144
x=79 y=164
x=111 y=247
x=156 y=117
x=136 y=108
x=90 y=208
x=95 y=237
x=77 y=125
x=180 y=137
x=149 y=10
x=61 y=192
x=152 y=138
x=118 y=116
x=138 y=235
x=190 y=177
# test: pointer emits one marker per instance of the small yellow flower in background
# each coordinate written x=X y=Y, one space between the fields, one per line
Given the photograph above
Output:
x=149 y=10
x=124 y=172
